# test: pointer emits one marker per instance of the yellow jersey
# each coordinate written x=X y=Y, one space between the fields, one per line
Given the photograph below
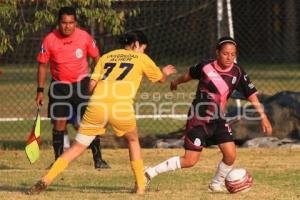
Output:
x=119 y=74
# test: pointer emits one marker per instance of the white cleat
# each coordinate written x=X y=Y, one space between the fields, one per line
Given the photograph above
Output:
x=217 y=187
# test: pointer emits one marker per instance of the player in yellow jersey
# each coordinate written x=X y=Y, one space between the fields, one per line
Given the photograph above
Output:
x=113 y=85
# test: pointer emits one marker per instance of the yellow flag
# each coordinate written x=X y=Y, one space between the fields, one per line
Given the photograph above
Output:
x=32 y=149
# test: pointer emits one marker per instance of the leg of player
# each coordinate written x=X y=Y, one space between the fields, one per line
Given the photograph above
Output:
x=95 y=146
x=189 y=159
x=77 y=148
x=136 y=160
x=193 y=147
x=226 y=164
x=99 y=163
x=67 y=142
x=59 y=130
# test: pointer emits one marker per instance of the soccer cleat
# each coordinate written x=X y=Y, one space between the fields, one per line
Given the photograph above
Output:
x=147 y=178
x=37 y=188
x=101 y=164
x=217 y=187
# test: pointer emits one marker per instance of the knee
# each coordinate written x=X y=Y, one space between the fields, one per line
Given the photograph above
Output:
x=60 y=125
x=132 y=138
x=189 y=162
x=229 y=159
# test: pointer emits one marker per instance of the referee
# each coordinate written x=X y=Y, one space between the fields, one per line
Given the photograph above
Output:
x=66 y=49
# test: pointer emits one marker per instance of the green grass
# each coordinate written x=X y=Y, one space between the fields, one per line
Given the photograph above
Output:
x=276 y=174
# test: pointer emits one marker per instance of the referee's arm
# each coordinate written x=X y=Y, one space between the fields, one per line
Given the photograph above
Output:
x=41 y=78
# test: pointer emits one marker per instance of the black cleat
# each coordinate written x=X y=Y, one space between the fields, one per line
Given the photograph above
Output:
x=37 y=188
x=101 y=164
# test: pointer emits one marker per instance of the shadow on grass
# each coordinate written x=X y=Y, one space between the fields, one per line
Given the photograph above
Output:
x=17 y=144
x=11 y=144
x=92 y=189
x=3 y=166
x=22 y=188
x=9 y=188
x=60 y=188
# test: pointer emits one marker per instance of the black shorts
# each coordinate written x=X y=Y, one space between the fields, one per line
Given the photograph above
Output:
x=213 y=132
x=67 y=99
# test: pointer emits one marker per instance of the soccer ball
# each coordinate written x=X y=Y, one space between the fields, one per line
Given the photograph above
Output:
x=238 y=180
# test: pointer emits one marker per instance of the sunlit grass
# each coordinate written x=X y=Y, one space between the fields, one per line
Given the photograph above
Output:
x=276 y=175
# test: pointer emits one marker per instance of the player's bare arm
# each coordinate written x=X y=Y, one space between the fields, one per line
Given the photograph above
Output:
x=266 y=125
x=42 y=71
x=96 y=59
x=92 y=86
x=93 y=83
x=167 y=71
x=181 y=79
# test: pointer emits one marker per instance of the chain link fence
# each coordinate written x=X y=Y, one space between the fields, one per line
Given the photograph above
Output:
x=181 y=33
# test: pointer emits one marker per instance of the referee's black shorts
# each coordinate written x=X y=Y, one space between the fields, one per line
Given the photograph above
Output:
x=67 y=99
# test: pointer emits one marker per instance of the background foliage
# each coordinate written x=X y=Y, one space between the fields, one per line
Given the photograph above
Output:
x=14 y=15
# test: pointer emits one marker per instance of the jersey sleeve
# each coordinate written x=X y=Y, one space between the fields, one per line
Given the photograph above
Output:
x=196 y=71
x=245 y=86
x=152 y=72
x=44 y=53
x=92 y=49
x=98 y=70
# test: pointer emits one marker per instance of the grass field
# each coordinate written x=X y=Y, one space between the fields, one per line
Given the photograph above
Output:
x=276 y=175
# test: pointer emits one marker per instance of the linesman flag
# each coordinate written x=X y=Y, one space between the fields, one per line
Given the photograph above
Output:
x=32 y=149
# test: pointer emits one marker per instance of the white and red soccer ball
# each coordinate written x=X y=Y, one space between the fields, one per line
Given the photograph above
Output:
x=238 y=180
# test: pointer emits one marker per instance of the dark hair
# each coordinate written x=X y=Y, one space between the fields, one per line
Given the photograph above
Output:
x=133 y=36
x=225 y=40
x=67 y=11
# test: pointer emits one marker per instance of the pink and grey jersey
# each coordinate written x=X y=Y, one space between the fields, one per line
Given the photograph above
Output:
x=216 y=85
x=68 y=55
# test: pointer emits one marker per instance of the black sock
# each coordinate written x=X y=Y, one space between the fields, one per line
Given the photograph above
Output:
x=58 y=142
x=96 y=149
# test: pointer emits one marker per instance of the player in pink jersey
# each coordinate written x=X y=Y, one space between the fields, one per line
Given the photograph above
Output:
x=206 y=119
x=67 y=49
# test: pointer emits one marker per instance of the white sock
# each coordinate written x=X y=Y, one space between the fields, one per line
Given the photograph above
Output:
x=168 y=165
x=66 y=141
x=221 y=173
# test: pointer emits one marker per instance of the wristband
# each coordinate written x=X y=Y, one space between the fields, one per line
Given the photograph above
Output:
x=39 y=89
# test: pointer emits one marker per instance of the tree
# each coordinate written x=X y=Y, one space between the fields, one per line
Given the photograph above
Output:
x=20 y=18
